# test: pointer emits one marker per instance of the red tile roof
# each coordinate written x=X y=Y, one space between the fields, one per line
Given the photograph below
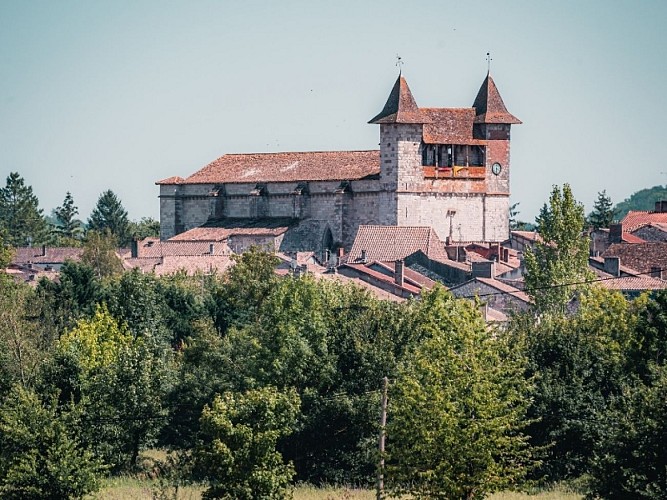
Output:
x=642 y=257
x=287 y=167
x=365 y=270
x=191 y=264
x=489 y=106
x=222 y=229
x=151 y=248
x=47 y=255
x=400 y=106
x=449 y=126
x=171 y=180
x=633 y=283
x=391 y=243
x=636 y=219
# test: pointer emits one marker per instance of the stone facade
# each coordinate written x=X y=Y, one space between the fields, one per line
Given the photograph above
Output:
x=447 y=168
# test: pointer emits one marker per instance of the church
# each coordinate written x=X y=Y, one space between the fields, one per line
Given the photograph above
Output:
x=444 y=168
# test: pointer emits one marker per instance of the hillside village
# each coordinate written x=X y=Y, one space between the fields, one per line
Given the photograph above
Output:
x=432 y=205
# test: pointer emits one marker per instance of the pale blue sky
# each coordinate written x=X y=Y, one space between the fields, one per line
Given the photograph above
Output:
x=98 y=95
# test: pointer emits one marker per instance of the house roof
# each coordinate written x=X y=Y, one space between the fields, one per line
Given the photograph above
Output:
x=642 y=257
x=449 y=126
x=222 y=229
x=400 y=106
x=285 y=167
x=636 y=219
x=191 y=264
x=46 y=255
x=497 y=286
x=632 y=283
x=489 y=106
x=391 y=243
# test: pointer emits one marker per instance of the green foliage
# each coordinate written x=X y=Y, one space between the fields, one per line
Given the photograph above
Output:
x=121 y=383
x=245 y=287
x=40 y=454
x=631 y=458
x=641 y=200
x=21 y=219
x=561 y=258
x=22 y=345
x=515 y=223
x=99 y=252
x=110 y=216
x=456 y=408
x=146 y=227
x=237 y=454
x=67 y=227
x=603 y=212
x=579 y=366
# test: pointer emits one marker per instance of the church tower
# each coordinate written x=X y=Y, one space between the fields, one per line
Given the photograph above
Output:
x=447 y=168
x=401 y=125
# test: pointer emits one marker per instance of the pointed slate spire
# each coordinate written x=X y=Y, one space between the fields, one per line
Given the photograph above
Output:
x=489 y=106
x=400 y=107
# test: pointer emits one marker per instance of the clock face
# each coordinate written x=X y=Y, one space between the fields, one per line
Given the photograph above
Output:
x=496 y=168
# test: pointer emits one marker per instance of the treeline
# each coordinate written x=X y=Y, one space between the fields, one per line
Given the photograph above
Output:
x=23 y=222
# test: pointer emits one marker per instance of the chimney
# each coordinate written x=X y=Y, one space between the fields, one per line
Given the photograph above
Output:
x=134 y=249
x=43 y=250
x=363 y=256
x=612 y=265
x=341 y=252
x=484 y=269
x=211 y=248
x=506 y=254
x=656 y=272
x=399 y=273
x=615 y=233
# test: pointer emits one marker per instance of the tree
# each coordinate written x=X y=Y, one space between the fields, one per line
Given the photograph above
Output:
x=99 y=252
x=121 y=382
x=559 y=262
x=457 y=408
x=603 y=212
x=109 y=215
x=146 y=227
x=41 y=456
x=515 y=223
x=643 y=199
x=67 y=226
x=579 y=365
x=237 y=455
x=21 y=219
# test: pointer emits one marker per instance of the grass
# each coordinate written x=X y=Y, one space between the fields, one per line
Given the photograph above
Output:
x=126 y=488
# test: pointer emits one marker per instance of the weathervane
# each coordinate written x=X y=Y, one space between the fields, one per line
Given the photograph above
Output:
x=399 y=63
x=488 y=62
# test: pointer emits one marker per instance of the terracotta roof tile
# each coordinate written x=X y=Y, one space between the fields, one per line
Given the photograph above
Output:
x=633 y=283
x=47 y=255
x=151 y=248
x=642 y=257
x=489 y=106
x=449 y=126
x=171 y=180
x=400 y=106
x=288 y=167
x=191 y=264
x=222 y=229
x=636 y=219
x=391 y=243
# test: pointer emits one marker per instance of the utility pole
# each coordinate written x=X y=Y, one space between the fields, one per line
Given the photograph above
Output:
x=383 y=424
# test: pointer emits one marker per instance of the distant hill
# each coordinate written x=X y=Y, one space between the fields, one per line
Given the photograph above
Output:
x=641 y=200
